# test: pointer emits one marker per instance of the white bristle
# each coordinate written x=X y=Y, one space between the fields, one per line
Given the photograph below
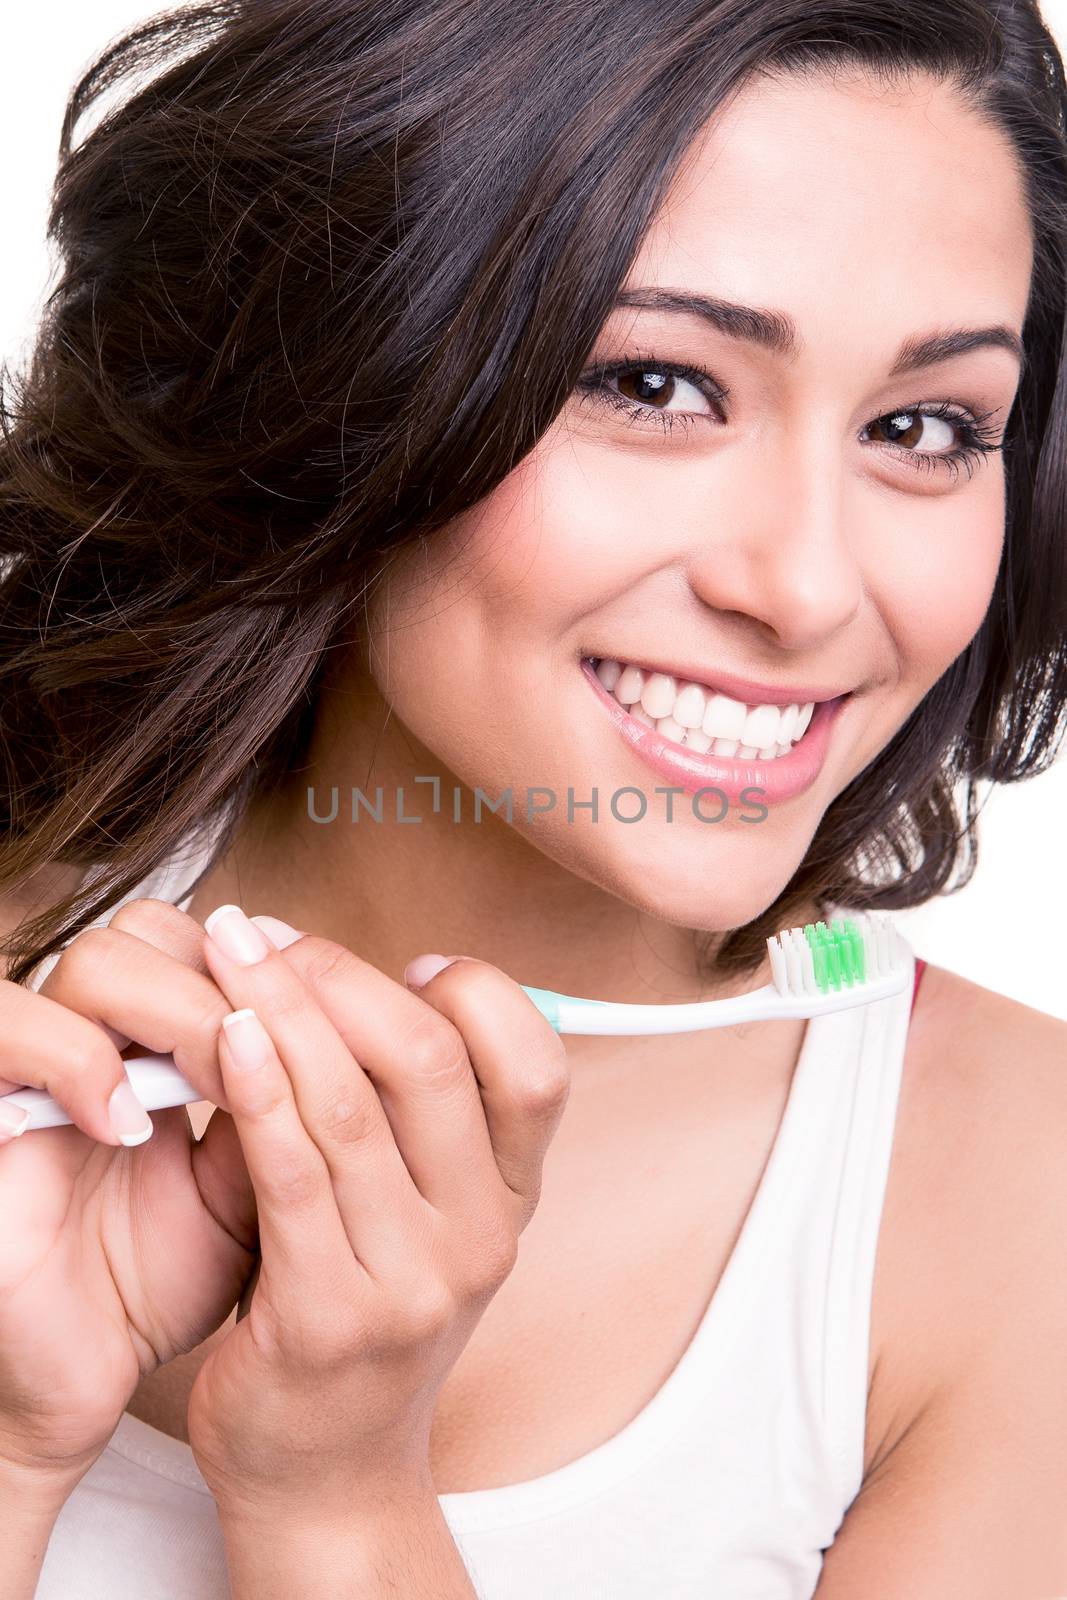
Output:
x=800 y=968
x=867 y=926
x=789 y=958
x=865 y=923
x=793 y=965
x=885 y=953
x=778 y=972
x=882 y=935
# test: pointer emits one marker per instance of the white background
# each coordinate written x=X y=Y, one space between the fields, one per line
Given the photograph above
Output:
x=1005 y=930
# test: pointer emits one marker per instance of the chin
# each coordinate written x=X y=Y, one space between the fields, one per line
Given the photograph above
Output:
x=713 y=880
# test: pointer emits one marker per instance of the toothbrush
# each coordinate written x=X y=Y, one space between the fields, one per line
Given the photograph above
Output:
x=816 y=969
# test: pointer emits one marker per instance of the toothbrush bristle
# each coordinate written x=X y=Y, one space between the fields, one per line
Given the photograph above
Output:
x=818 y=958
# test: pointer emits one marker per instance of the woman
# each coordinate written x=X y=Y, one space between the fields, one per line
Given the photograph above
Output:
x=435 y=396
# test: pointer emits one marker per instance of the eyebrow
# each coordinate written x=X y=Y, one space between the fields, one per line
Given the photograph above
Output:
x=774 y=331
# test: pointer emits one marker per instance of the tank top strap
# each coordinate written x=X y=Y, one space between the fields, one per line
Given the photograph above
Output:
x=870 y=1092
x=844 y=1097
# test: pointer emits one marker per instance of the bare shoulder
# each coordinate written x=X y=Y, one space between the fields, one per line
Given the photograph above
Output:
x=965 y=1475
x=972 y=1250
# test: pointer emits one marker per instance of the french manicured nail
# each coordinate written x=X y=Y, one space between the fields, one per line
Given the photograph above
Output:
x=423 y=968
x=248 y=1040
x=278 y=932
x=130 y=1122
x=13 y=1121
x=236 y=936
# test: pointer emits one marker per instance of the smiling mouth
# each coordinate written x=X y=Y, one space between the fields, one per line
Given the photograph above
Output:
x=700 y=718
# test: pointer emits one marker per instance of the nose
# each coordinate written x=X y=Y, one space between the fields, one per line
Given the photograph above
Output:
x=776 y=544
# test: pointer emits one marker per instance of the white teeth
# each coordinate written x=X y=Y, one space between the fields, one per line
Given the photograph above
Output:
x=701 y=719
x=659 y=694
x=761 y=727
x=628 y=689
x=724 y=718
x=689 y=705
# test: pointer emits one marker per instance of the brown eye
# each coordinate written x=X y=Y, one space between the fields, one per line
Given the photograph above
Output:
x=914 y=430
x=649 y=386
x=667 y=394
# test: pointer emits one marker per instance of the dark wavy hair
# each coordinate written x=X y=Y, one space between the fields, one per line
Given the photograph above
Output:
x=327 y=274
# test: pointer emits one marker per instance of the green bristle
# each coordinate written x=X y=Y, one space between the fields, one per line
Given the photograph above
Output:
x=843 y=947
x=837 y=953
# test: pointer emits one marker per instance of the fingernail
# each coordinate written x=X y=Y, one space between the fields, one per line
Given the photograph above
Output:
x=423 y=968
x=248 y=1040
x=279 y=933
x=13 y=1120
x=130 y=1121
x=236 y=936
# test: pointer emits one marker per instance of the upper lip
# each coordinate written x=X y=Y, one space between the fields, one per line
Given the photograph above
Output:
x=744 y=689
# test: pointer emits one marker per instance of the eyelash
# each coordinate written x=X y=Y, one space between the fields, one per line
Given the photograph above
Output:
x=977 y=439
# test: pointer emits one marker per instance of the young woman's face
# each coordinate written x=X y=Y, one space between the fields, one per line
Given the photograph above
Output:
x=798 y=513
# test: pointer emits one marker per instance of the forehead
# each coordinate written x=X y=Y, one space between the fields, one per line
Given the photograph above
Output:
x=816 y=194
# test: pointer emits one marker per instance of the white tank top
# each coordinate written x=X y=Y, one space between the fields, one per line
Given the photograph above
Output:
x=731 y=1481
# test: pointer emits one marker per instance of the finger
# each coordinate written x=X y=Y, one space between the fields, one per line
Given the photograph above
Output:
x=465 y=1101
x=117 y=978
x=176 y=934
x=302 y=1240
x=519 y=1060
x=418 y=1063
x=339 y=1110
x=169 y=930
x=70 y=1059
x=109 y=986
x=161 y=924
x=223 y=1179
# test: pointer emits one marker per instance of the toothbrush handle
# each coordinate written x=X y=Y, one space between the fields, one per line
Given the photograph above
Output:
x=155 y=1080
x=157 y=1083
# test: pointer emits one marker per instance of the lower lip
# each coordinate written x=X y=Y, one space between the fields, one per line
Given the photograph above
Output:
x=780 y=779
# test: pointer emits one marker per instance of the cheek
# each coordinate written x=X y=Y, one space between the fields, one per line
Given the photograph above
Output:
x=518 y=575
x=936 y=601
x=566 y=533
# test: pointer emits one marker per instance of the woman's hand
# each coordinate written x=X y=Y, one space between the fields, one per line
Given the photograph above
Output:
x=113 y=1260
x=395 y=1142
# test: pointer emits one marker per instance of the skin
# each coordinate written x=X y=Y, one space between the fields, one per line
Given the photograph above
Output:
x=794 y=547
x=472 y=671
